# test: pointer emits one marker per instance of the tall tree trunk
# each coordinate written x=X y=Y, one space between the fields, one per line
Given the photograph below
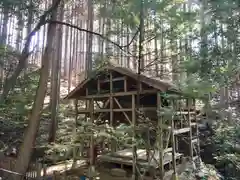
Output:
x=29 y=28
x=20 y=30
x=74 y=50
x=175 y=76
x=70 y=54
x=55 y=83
x=77 y=52
x=204 y=47
x=65 y=71
x=3 y=39
x=103 y=25
x=162 y=57
x=127 y=48
x=89 y=63
x=24 y=156
x=156 y=45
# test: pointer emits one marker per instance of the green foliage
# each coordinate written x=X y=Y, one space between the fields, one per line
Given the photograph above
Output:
x=227 y=144
x=20 y=100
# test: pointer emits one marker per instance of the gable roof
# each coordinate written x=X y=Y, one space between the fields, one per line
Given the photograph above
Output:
x=156 y=83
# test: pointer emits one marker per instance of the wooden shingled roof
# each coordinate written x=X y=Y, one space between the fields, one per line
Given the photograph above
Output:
x=156 y=83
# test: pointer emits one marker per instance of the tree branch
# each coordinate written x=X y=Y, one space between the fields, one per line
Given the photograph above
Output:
x=11 y=81
x=135 y=35
x=95 y=33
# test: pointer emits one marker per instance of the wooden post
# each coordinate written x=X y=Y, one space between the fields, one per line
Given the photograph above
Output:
x=87 y=92
x=91 y=107
x=39 y=170
x=160 y=137
x=148 y=148
x=56 y=175
x=120 y=107
x=134 y=148
x=75 y=128
x=190 y=132
x=177 y=108
x=76 y=110
x=98 y=86
x=125 y=84
x=140 y=87
x=113 y=144
x=197 y=133
x=44 y=170
x=173 y=144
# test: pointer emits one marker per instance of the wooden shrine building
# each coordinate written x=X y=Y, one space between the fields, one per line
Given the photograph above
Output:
x=117 y=95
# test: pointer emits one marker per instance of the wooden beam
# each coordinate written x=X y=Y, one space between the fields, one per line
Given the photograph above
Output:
x=168 y=138
x=125 y=84
x=125 y=114
x=181 y=131
x=167 y=150
x=111 y=100
x=113 y=148
x=113 y=79
x=83 y=111
x=197 y=133
x=117 y=110
x=148 y=108
x=104 y=106
x=190 y=131
x=160 y=137
x=173 y=145
x=76 y=110
x=91 y=109
x=185 y=113
x=87 y=102
x=134 y=148
x=141 y=87
x=98 y=86
x=98 y=105
x=99 y=96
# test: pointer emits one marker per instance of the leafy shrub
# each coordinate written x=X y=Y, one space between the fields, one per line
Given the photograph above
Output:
x=227 y=143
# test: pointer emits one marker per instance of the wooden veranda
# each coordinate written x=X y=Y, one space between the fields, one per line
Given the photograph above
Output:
x=116 y=95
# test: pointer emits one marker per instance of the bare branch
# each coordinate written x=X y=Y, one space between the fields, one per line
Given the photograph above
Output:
x=134 y=37
x=94 y=33
x=10 y=82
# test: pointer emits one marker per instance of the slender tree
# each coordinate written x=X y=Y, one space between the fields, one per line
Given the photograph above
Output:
x=55 y=77
x=26 y=148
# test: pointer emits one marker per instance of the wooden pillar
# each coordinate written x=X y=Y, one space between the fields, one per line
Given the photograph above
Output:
x=91 y=108
x=75 y=130
x=39 y=170
x=178 y=108
x=134 y=148
x=76 y=122
x=173 y=144
x=197 y=133
x=98 y=86
x=76 y=110
x=113 y=144
x=160 y=137
x=125 y=84
x=190 y=132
